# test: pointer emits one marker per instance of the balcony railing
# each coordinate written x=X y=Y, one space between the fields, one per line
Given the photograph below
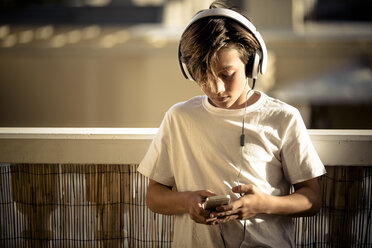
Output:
x=79 y=187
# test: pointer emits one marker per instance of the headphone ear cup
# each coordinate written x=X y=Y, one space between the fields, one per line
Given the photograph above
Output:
x=253 y=66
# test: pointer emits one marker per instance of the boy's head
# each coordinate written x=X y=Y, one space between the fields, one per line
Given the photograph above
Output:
x=203 y=38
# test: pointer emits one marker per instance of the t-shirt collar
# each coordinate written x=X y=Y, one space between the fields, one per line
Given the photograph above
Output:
x=231 y=112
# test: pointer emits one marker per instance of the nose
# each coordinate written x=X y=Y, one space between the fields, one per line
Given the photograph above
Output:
x=218 y=86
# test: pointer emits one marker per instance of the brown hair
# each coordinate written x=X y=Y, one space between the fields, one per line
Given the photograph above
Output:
x=203 y=39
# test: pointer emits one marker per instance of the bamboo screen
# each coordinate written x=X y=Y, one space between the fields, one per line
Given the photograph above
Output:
x=45 y=205
x=59 y=205
x=345 y=218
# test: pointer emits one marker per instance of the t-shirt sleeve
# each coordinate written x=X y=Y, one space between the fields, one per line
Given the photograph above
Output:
x=299 y=158
x=156 y=163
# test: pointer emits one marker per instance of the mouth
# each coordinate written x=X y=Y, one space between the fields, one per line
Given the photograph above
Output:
x=222 y=98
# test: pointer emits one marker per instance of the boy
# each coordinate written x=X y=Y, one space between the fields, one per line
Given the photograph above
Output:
x=234 y=141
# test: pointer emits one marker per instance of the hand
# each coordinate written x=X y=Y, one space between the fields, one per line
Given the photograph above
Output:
x=195 y=208
x=253 y=202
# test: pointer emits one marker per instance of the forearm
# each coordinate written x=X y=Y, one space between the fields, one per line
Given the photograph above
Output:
x=305 y=201
x=161 y=199
x=296 y=205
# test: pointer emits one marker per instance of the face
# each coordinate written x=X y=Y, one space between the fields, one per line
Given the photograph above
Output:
x=229 y=89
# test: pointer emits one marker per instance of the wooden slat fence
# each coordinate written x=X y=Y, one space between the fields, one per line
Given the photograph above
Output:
x=72 y=205
x=103 y=205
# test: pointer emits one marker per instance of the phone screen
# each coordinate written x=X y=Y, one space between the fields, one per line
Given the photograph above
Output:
x=215 y=201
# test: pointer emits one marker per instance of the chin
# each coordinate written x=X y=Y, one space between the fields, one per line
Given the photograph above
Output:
x=224 y=105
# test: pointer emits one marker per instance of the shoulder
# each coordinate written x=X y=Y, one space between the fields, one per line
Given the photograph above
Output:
x=183 y=115
x=280 y=117
x=279 y=108
x=191 y=105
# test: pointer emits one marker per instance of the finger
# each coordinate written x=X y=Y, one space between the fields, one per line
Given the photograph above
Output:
x=230 y=217
x=225 y=213
x=232 y=206
x=225 y=208
x=243 y=189
x=224 y=219
x=210 y=220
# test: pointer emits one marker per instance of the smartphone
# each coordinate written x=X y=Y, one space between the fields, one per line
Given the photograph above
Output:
x=215 y=201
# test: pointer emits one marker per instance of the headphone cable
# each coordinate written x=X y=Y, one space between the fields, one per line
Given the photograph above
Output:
x=242 y=145
x=242 y=136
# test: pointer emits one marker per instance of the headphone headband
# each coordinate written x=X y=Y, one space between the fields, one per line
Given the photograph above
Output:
x=231 y=14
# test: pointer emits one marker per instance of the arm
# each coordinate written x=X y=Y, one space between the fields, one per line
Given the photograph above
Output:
x=161 y=199
x=305 y=201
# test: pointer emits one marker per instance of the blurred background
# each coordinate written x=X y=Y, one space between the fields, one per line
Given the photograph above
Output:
x=113 y=63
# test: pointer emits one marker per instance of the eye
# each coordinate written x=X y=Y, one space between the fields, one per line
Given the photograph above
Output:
x=228 y=75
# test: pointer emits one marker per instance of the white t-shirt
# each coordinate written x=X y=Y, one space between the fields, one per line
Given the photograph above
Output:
x=198 y=147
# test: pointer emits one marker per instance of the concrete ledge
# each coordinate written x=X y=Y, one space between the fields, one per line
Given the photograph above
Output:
x=128 y=145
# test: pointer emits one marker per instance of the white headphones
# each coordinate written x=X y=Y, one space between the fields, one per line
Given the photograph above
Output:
x=255 y=63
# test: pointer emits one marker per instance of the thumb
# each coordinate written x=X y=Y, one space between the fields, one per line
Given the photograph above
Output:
x=243 y=189
x=206 y=193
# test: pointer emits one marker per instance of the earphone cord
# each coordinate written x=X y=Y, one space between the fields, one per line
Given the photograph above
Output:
x=242 y=137
x=242 y=144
